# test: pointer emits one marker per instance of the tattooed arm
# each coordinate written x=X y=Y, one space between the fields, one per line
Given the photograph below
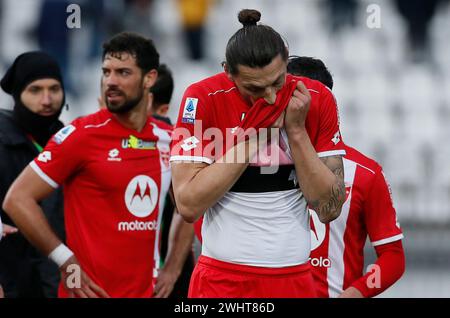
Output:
x=330 y=208
x=321 y=180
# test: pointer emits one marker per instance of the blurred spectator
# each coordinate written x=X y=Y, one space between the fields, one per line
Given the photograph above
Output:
x=53 y=35
x=193 y=17
x=35 y=83
x=113 y=16
x=341 y=13
x=95 y=15
x=161 y=94
x=418 y=15
x=137 y=17
x=1 y=28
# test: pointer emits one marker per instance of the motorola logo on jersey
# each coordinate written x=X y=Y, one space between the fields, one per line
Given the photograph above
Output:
x=318 y=230
x=318 y=233
x=141 y=196
x=320 y=262
x=138 y=226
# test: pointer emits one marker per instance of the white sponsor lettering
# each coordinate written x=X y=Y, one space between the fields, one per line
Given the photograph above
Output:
x=320 y=262
x=137 y=226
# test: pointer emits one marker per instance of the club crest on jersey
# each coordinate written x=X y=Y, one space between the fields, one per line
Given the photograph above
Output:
x=63 y=133
x=190 y=110
x=136 y=143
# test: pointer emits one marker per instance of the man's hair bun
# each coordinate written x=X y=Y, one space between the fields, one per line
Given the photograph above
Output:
x=249 y=17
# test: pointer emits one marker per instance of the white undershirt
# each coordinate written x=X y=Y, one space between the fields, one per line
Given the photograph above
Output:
x=268 y=229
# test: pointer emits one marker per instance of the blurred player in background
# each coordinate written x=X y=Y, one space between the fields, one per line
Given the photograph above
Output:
x=338 y=247
x=160 y=96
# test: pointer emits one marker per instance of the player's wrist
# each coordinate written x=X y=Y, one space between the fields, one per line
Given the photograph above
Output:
x=361 y=287
x=296 y=131
x=60 y=255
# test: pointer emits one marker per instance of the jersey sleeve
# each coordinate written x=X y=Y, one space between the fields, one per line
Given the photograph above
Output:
x=61 y=157
x=329 y=142
x=379 y=212
x=189 y=140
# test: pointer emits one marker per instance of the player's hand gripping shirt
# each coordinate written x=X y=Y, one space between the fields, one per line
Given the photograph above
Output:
x=263 y=219
x=115 y=180
x=338 y=247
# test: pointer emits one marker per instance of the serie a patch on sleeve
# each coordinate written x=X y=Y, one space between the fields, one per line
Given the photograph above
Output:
x=65 y=132
x=190 y=110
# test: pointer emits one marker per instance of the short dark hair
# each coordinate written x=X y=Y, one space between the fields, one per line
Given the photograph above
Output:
x=310 y=67
x=253 y=45
x=143 y=49
x=163 y=88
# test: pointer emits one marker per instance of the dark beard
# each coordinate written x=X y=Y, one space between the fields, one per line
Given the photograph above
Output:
x=127 y=106
x=40 y=127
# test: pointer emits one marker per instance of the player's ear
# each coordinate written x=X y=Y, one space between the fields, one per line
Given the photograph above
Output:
x=150 y=78
x=226 y=68
x=163 y=110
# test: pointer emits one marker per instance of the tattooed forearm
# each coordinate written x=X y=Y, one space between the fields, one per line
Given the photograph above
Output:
x=329 y=208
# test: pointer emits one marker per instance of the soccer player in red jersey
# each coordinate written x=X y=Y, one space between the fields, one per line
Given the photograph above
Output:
x=114 y=166
x=256 y=238
x=337 y=253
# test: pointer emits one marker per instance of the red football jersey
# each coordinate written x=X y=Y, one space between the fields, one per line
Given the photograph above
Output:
x=218 y=105
x=337 y=256
x=263 y=220
x=115 y=180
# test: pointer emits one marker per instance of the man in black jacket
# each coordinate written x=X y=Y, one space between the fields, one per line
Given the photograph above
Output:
x=34 y=81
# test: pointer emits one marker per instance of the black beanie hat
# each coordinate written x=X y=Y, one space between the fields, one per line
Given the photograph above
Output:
x=27 y=68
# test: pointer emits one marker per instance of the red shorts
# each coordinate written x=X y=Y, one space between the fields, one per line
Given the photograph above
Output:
x=216 y=279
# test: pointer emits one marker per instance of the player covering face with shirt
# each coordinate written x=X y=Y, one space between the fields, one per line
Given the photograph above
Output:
x=256 y=239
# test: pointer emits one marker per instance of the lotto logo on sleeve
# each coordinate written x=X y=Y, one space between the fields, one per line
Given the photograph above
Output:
x=190 y=143
x=336 y=138
x=45 y=157
x=190 y=110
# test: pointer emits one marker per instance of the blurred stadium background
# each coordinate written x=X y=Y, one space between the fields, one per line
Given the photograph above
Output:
x=393 y=94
